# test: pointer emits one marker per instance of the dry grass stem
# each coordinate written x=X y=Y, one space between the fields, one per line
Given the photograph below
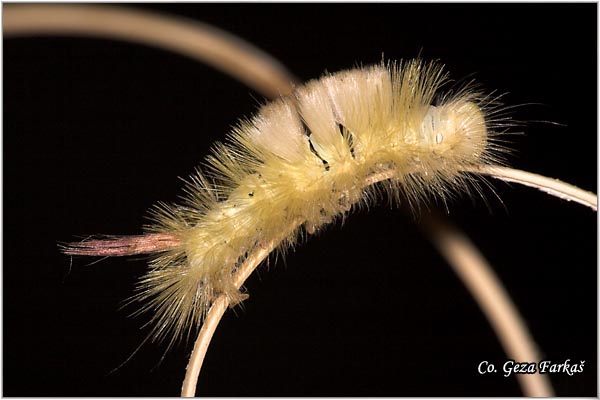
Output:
x=553 y=187
x=483 y=284
x=217 y=310
x=193 y=39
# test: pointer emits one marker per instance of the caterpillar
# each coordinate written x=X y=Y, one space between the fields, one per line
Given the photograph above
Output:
x=541 y=151
x=306 y=157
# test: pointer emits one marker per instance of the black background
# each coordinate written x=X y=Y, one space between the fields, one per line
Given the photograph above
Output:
x=96 y=131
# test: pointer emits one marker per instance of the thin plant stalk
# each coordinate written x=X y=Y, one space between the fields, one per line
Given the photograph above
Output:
x=193 y=39
x=217 y=310
x=493 y=299
x=553 y=187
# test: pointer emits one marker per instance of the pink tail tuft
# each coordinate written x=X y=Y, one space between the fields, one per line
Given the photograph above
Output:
x=122 y=246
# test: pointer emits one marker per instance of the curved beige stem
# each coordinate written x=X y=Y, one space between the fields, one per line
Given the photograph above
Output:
x=553 y=187
x=218 y=308
x=188 y=389
x=193 y=39
x=483 y=284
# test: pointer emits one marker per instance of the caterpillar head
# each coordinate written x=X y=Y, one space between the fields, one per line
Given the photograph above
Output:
x=456 y=130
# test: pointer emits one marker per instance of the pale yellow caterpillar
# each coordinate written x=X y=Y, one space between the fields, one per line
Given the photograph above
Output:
x=401 y=257
x=306 y=158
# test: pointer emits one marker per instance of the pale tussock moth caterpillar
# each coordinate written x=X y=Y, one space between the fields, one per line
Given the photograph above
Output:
x=306 y=157
x=507 y=67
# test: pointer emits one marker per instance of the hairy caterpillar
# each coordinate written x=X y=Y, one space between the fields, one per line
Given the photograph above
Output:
x=306 y=158
x=126 y=211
